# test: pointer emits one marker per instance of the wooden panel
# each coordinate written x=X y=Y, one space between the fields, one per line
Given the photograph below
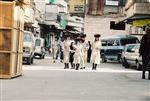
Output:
x=5 y=40
x=9 y=40
x=9 y=18
x=21 y=20
x=19 y=63
x=21 y=38
x=10 y=65
x=4 y=64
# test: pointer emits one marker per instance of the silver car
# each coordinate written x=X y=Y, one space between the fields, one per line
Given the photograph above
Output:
x=131 y=57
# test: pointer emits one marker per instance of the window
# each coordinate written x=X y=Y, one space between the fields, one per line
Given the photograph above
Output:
x=37 y=42
x=131 y=48
x=79 y=8
x=104 y=43
x=113 y=43
x=27 y=37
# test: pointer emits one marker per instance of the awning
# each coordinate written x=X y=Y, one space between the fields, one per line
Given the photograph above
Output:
x=137 y=20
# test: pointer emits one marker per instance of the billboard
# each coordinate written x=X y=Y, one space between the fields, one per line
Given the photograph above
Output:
x=112 y=2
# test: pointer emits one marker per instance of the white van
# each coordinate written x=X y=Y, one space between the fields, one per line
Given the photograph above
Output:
x=39 y=47
x=28 y=47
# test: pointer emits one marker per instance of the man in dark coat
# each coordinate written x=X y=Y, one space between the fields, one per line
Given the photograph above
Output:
x=145 y=52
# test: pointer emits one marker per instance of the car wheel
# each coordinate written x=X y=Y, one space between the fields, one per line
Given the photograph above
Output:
x=138 y=66
x=29 y=61
x=126 y=65
x=104 y=60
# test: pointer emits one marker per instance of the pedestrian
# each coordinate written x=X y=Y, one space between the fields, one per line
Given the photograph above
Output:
x=66 y=51
x=77 y=55
x=61 y=52
x=96 y=46
x=55 y=47
x=145 y=53
x=72 y=51
x=84 y=50
x=89 y=52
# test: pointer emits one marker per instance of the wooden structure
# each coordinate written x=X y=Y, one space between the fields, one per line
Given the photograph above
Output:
x=11 y=39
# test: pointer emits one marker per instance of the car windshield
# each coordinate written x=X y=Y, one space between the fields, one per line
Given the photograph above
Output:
x=37 y=42
x=27 y=37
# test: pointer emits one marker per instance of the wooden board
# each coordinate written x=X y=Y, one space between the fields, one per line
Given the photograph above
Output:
x=10 y=65
x=9 y=40
x=10 y=18
x=20 y=43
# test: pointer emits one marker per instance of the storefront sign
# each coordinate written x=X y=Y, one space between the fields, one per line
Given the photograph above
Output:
x=112 y=2
x=144 y=22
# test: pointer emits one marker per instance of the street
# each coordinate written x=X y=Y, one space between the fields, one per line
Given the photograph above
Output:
x=45 y=81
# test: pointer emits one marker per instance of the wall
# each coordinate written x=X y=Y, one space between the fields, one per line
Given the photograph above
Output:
x=101 y=25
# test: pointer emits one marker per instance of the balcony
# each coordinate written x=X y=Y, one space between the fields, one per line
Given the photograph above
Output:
x=138 y=9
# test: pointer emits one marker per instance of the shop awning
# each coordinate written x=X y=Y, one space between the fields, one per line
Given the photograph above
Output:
x=137 y=20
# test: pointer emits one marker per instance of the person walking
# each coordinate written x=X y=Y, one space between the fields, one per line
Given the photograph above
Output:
x=89 y=52
x=66 y=51
x=72 y=51
x=55 y=46
x=77 y=55
x=84 y=50
x=144 y=51
x=96 y=46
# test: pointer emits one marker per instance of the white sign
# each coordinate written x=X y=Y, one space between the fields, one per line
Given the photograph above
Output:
x=50 y=16
x=112 y=2
x=52 y=9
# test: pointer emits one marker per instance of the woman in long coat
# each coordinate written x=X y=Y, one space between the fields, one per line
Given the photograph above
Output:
x=66 y=51
x=95 y=57
x=77 y=55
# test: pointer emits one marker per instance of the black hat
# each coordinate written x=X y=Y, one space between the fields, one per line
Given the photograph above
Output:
x=66 y=35
x=83 y=35
x=78 y=38
x=97 y=35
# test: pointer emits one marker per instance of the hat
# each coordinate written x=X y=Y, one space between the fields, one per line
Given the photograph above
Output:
x=78 y=38
x=66 y=35
x=97 y=35
x=83 y=35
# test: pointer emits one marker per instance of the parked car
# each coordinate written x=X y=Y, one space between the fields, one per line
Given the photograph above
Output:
x=113 y=46
x=39 y=47
x=131 y=57
x=28 y=47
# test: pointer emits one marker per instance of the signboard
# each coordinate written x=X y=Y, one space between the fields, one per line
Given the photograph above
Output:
x=139 y=23
x=50 y=16
x=79 y=8
x=52 y=9
x=112 y=2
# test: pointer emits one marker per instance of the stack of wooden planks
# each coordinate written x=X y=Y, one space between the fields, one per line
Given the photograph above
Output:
x=11 y=39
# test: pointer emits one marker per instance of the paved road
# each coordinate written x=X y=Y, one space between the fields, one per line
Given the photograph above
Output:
x=44 y=81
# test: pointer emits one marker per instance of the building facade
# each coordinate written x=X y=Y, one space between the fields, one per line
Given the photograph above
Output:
x=99 y=14
x=76 y=7
x=137 y=15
